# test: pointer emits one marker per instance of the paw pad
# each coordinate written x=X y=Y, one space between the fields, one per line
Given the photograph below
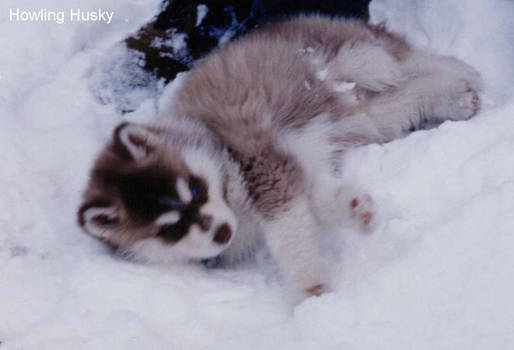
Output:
x=363 y=209
x=315 y=290
x=366 y=218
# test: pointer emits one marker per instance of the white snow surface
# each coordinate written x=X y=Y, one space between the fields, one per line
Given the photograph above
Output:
x=436 y=273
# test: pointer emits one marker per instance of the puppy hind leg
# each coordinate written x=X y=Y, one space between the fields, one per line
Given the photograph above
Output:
x=420 y=64
x=370 y=66
x=433 y=98
x=394 y=113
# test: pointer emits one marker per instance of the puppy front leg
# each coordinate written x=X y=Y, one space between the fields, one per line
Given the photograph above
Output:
x=292 y=237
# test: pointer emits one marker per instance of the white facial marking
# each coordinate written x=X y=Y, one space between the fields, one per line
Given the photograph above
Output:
x=216 y=207
x=168 y=218
x=183 y=191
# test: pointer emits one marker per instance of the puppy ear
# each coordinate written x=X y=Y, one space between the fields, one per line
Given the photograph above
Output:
x=98 y=221
x=136 y=140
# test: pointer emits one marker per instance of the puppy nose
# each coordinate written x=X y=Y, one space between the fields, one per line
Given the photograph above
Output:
x=205 y=222
x=223 y=234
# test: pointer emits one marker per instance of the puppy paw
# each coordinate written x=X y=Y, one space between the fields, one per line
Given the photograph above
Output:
x=468 y=74
x=460 y=102
x=464 y=103
x=362 y=209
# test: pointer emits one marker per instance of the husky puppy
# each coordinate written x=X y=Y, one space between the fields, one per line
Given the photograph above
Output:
x=249 y=152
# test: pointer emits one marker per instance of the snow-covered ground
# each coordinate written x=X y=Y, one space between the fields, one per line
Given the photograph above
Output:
x=437 y=273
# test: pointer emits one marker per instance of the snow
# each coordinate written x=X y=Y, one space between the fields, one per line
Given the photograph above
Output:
x=436 y=273
x=201 y=12
x=322 y=74
x=177 y=41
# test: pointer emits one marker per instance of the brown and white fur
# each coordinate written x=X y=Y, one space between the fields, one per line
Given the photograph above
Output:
x=249 y=153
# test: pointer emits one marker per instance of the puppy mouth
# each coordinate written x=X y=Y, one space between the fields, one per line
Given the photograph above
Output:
x=223 y=234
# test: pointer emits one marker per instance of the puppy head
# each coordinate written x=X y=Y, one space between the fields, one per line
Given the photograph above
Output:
x=158 y=198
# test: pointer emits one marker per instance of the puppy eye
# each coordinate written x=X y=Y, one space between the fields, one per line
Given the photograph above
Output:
x=195 y=189
x=198 y=189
